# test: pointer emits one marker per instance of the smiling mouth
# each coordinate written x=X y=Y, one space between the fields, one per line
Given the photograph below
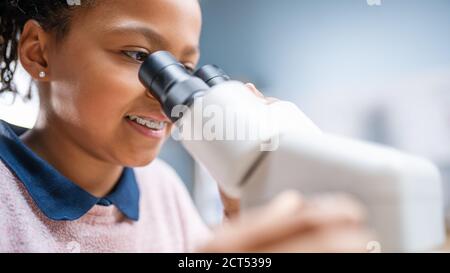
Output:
x=149 y=123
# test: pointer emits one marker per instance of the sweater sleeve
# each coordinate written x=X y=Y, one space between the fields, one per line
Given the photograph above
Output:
x=196 y=232
x=166 y=193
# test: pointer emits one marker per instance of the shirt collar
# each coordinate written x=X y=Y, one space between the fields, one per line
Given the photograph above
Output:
x=54 y=194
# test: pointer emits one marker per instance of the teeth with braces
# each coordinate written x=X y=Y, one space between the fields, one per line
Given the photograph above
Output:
x=149 y=123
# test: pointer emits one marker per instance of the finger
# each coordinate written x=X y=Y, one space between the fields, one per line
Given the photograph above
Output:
x=344 y=201
x=254 y=90
x=329 y=210
x=241 y=236
x=231 y=206
x=343 y=238
x=269 y=100
x=284 y=218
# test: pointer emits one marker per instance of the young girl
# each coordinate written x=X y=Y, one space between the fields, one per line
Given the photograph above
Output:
x=86 y=177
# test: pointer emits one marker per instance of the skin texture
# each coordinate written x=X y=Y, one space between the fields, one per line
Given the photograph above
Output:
x=91 y=85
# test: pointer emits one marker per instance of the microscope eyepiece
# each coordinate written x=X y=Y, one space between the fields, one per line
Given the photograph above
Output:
x=169 y=82
x=212 y=75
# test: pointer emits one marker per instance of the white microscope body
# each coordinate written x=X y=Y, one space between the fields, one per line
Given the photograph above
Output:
x=402 y=193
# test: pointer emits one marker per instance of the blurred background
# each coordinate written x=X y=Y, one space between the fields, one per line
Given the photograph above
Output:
x=377 y=70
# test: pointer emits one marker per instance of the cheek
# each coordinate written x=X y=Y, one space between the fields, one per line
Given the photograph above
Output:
x=96 y=91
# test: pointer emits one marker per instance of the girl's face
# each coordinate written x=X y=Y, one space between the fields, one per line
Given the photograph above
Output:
x=93 y=75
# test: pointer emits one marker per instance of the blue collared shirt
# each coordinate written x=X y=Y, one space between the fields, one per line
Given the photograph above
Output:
x=54 y=194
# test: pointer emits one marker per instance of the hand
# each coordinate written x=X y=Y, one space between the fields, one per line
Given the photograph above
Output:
x=258 y=93
x=231 y=206
x=290 y=223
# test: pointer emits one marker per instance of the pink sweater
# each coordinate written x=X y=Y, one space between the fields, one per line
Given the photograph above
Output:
x=168 y=220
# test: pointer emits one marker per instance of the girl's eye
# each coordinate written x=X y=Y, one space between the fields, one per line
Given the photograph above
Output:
x=141 y=56
x=136 y=55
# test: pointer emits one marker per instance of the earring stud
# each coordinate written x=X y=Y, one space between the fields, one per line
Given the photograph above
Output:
x=42 y=74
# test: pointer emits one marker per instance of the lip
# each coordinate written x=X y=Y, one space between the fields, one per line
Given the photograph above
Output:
x=147 y=132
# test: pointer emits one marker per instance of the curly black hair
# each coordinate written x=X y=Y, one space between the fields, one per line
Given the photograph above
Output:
x=52 y=15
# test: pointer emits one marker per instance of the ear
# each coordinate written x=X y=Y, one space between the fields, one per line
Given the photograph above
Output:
x=33 y=45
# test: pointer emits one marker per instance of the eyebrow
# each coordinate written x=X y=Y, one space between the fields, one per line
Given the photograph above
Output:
x=152 y=37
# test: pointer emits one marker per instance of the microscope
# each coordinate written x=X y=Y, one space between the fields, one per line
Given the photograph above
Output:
x=256 y=150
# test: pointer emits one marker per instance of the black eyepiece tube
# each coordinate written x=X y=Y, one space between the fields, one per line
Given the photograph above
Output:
x=212 y=75
x=169 y=82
